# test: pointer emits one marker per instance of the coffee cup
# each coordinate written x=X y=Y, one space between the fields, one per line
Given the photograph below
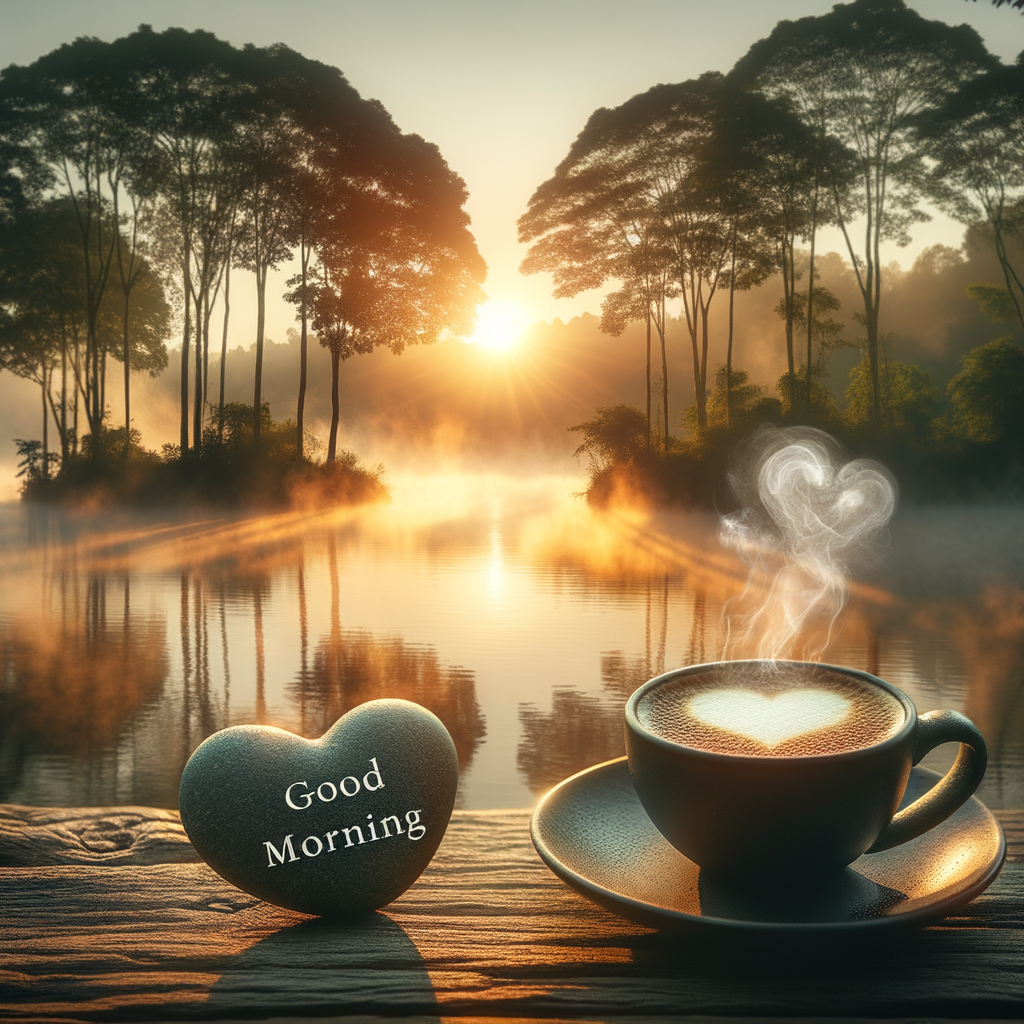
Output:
x=790 y=768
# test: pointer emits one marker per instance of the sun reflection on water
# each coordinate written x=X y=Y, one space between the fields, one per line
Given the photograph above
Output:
x=523 y=617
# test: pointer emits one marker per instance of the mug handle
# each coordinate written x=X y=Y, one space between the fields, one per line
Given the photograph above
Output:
x=952 y=790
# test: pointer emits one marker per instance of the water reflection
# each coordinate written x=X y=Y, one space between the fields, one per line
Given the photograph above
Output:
x=73 y=685
x=519 y=616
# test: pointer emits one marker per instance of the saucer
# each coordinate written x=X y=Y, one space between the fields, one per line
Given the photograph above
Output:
x=593 y=833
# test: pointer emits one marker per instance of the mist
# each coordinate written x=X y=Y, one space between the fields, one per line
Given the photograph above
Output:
x=455 y=405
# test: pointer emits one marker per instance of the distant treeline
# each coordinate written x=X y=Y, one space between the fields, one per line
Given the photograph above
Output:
x=135 y=175
x=857 y=119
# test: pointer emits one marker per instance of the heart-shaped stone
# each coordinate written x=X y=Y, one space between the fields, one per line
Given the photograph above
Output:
x=769 y=719
x=339 y=825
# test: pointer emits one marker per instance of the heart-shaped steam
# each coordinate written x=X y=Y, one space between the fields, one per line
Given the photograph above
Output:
x=770 y=720
x=809 y=513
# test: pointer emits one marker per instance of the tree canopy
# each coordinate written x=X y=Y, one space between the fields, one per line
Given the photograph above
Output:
x=182 y=157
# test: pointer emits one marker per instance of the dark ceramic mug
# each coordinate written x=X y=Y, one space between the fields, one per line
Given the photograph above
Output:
x=794 y=816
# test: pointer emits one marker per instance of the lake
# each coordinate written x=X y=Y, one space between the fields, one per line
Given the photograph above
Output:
x=506 y=605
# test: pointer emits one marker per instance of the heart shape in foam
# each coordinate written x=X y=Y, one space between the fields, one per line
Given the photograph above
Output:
x=770 y=720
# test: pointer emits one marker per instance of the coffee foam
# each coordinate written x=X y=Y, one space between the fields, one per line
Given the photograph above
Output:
x=771 y=712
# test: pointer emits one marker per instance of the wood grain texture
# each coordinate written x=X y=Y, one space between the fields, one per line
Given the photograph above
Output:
x=487 y=931
x=34 y=836
x=1013 y=827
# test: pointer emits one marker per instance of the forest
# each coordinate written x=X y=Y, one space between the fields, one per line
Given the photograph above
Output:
x=862 y=119
x=135 y=176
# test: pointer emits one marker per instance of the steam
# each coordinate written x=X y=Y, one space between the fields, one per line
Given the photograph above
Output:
x=808 y=513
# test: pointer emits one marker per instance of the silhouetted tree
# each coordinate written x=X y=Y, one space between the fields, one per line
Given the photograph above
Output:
x=397 y=263
x=186 y=85
x=765 y=165
x=876 y=66
x=977 y=140
x=615 y=436
x=594 y=221
x=634 y=172
x=58 y=108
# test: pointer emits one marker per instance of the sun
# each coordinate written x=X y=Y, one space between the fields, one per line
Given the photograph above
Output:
x=499 y=325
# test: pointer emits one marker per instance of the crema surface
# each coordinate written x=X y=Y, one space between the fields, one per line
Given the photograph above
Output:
x=773 y=712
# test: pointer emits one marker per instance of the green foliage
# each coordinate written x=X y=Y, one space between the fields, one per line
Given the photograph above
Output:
x=31 y=462
x=824 y=411
x=988 y=394
x=908 y=399
x=994 y=302
x=107 y=445
x=617 y=435
x=177 y=148
x=745 y=399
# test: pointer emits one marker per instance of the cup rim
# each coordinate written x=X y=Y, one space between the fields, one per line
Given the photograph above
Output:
x=635 y=725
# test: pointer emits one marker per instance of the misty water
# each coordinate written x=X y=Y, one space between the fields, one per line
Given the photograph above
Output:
x=504 y=604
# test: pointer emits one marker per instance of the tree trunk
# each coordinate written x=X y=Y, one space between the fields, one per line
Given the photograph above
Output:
x=224 y=344
x=648 y=375
x=77 y=389
x=1008 y=275
x=97 y=397
x=332 y=445
x=788 y=286
x=199 y=383
x=127 y=385
x=261 y=313
x=704 y=308
x=63 y=396
x=728 y=351
x=46 y=436
x=664 y=371
x=185 y=339
x=301 y=405
x=810 y=296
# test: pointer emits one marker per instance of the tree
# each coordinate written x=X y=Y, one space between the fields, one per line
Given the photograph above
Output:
x=670 y=128
x=907 y=400
x=615 y=436
x=815 y=402
x=41 y=294
x=876 y=66
x=188 y=85
x=593 y=222
x=633 y=174
x=988 y=394
x=977 y=140
x=265 y=151
x=765 y=164
x=41 y=290
x=57 y=108
x=397 y=263
x=338 y=151
x=733 y=400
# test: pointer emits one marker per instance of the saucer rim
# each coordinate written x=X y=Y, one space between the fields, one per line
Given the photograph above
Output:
x=666 y=919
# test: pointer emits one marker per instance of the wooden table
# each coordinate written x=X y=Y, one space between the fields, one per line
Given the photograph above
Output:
x=105 y=914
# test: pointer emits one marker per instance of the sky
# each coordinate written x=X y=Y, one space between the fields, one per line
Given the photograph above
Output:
x=502 y=88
